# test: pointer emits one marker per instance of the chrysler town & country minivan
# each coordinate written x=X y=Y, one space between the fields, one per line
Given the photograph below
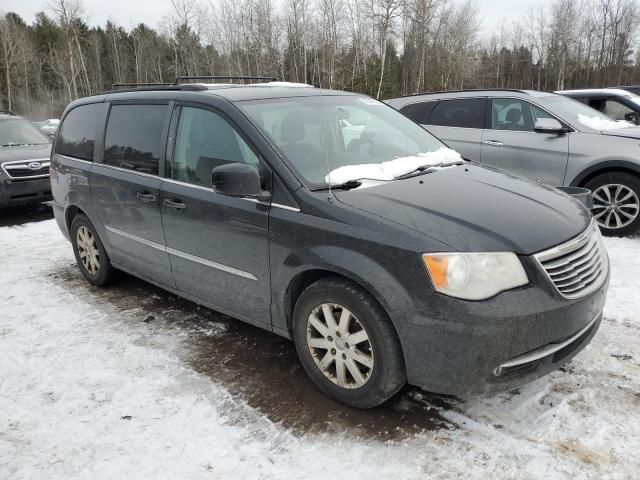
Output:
x=331 y=219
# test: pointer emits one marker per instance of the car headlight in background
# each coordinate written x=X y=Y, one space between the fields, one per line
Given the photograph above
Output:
x=474 y=276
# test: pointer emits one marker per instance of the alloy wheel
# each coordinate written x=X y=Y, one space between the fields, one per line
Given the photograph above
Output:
x=88 y=250
x=615 y=206
x=339 y=345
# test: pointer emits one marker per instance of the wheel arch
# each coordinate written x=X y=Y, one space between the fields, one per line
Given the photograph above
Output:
x=305 y=278
x=588 y=174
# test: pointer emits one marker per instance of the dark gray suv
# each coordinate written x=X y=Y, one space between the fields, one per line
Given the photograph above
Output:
x=545 y=137
x=331 y=219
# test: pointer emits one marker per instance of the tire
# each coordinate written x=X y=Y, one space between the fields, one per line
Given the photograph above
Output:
x=381 y=375
x=84 y=238
x=616 y=201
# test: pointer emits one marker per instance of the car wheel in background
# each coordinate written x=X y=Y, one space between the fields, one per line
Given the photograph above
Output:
x=90 y=254
x=347 y=344
x=616 y=203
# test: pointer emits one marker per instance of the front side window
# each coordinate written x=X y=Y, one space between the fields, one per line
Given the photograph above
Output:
x=134 y=137
x=516 y=115
x=465 y=113
x=616 y=110
x=78 y=131
x=319 y=134
x=206 y=140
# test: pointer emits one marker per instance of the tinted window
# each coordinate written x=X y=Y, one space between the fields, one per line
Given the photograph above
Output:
x=516 y=115
x=418 y=112
x=134 y=137
x=467 y=113
x=204 y=141
x=78 y=131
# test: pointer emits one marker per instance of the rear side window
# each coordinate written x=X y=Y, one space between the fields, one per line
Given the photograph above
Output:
x=77 y=133
x=466 y=113
x=418 y=112
x=134 y=137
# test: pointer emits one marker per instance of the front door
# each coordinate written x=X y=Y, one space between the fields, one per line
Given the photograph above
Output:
x=511 y=142
x=125 y=189
x=217 y=245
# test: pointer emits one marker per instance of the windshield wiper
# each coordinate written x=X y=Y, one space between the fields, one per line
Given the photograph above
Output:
x=424 y=170
x=339 y=186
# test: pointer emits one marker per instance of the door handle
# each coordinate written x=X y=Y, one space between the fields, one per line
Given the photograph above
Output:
x=175 y=204
x=493 y=143
x=146 y=197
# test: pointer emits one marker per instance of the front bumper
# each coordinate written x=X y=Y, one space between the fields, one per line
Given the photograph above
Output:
x=23 y=192
x=497 y=344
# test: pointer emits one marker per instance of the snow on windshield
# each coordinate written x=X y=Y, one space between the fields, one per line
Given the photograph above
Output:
x=601 y=123
x=444 y=157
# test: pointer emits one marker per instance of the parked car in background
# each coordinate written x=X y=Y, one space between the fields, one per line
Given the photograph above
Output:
x=330 y=218
x=48 y=127
x=615 y=103
x=24 y=162
x=546 y=137
x=630 y=88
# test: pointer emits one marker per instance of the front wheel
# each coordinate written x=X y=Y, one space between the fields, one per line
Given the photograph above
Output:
x=616 y=203
x=347 y=344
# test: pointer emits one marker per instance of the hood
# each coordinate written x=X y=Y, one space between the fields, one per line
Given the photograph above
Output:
x=25 y=152
x=631 y=132
x=472 y=208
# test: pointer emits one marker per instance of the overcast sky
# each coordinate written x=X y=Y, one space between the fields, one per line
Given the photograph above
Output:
x=129 y=13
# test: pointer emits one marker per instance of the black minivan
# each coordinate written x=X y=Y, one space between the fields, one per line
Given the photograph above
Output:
x=331 y=219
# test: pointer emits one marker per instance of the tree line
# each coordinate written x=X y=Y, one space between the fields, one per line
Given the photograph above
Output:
x=383 y=48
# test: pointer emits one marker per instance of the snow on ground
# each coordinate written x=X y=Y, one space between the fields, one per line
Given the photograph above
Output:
x=101 y=384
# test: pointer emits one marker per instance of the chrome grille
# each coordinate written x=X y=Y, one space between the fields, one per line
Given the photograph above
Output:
x=578 y=267
x=27 y=169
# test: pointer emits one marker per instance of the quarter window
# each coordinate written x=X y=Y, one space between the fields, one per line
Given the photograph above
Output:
x=134 y=137
x=467 y=113
x=206 y=140
x=78 y=131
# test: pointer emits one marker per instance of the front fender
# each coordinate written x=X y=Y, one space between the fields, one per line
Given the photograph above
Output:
x=374 y=274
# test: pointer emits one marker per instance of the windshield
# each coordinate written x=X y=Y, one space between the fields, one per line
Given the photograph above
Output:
x=321 y=134
x=20 y=132
x=579 y=114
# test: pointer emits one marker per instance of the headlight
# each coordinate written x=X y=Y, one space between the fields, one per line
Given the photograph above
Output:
x=474 y=276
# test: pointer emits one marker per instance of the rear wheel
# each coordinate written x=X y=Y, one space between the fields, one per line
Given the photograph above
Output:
x=347 y=344
x=616 y=203
x=90 y=254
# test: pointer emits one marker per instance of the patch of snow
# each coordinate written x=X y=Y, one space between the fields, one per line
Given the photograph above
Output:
x=91 y=391
x=392 y=169
x=600 y=123
x=287 y=84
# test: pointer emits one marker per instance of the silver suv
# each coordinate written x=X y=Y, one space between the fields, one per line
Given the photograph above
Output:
x=543 y=136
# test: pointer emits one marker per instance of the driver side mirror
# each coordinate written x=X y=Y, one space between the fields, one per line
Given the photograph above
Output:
x=633 y=117
x=549 y=125
x=238 y=180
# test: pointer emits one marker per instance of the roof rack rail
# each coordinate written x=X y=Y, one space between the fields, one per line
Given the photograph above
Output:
x=189 y=78
x=150 y=87
x=138 y=85
x=468 y=90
